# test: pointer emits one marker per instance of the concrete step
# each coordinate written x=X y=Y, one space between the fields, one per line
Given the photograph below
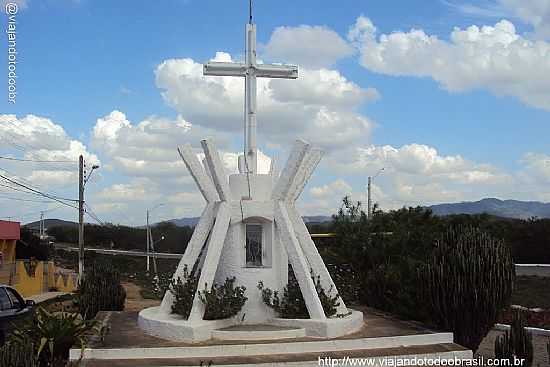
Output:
x=258 y=332
x=368 y=357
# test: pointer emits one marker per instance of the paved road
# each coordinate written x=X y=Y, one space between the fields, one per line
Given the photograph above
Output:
x=158 y=255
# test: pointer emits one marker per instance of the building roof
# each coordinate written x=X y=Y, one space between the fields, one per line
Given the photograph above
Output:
x=10 y=230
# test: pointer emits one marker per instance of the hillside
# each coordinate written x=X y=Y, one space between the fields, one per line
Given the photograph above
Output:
x=48 y=223
x=497 y=207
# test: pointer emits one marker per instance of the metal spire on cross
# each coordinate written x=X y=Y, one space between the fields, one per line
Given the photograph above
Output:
x=250 y=70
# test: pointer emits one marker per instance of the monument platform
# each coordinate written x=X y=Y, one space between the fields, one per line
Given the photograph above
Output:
x=381 y=337
x=173 y=327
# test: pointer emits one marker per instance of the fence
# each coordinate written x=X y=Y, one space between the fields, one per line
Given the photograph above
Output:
x=34 y=277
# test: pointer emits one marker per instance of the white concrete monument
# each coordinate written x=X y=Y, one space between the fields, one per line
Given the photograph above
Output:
x=251 y=230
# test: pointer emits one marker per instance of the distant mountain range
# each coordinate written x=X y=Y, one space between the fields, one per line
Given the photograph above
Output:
x=48 y=223
x=191 y=222
x=497 y=207
x=492 y=206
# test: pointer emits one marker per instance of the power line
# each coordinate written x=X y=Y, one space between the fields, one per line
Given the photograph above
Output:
x=39 y=192
x=28 y=200
x=27 y=182
x=93 y=215
x=36 y=188
x=15 y=145
x=33 y=213
x=16 y=189
x=34 y=160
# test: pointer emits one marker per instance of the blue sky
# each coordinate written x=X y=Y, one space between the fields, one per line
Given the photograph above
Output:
x=78 y=61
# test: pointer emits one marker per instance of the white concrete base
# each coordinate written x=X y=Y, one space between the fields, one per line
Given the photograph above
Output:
x=258 y=334
x=327 y=328
x=175 y=328
x=239 y=350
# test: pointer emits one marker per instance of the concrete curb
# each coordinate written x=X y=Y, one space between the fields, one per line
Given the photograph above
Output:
x=532 y=330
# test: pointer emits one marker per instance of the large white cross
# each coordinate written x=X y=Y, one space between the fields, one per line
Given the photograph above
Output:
x=250 y=70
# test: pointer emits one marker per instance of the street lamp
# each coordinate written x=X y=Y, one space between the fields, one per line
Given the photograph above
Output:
x=82 y=180
x=94 y=167
x=369 y=195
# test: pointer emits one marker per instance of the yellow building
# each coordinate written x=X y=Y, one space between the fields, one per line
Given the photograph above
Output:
x=29 y=277
x=10 y=232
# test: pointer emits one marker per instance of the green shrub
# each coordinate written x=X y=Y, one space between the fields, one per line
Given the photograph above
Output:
x=53 y=334
x=516 y=342
x=223 y=301
x=376 y=259
x=100 y=290
x=160 y=284
x=184 y=292
x=329 y=303
x=467 y=282
x=292 y=305
x=18 y=354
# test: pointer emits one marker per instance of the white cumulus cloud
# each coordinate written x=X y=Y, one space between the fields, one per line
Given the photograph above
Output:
x=311 y=46
x=495 y=58
x=320 y=106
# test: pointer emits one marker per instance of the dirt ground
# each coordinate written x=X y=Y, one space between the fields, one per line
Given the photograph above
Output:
x=134 y=300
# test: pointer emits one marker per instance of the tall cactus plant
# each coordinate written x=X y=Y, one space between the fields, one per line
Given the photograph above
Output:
x=467 y=282
x=100 y=290
x=516 y=343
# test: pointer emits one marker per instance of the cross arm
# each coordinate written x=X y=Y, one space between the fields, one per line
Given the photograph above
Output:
x=224 y=69
x=277 y=71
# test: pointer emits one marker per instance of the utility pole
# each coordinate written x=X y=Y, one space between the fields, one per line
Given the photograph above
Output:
x=80 y=218
x=82 y=179
x=369 y=192
x=148 y=240
x=369 y=198
x=41 y=225
x=150 y=243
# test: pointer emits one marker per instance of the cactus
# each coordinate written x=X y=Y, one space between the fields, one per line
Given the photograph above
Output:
x=516 y=343
x=467 y=282
x=18 y=354
x=100 y=290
